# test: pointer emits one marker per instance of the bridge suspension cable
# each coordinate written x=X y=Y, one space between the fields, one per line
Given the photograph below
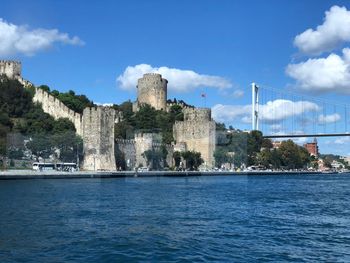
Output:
x=280 y=112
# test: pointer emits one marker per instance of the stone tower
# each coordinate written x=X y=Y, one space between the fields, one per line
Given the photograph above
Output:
x=197 y=132
x=12 y=69
x=98 y=137
x=152 y=90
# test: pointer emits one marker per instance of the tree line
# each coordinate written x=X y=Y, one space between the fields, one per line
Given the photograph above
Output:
x=250 y=148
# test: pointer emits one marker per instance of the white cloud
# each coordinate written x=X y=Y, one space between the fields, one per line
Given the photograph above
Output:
x=229 y=113
x=275 y=127
x=334 y=31
x=16 y=39
x=331 y=118
x=178 y=79
x=238 y=94
x=342 y=140
x=278 y=110
x=323 y=74
x=271 y=112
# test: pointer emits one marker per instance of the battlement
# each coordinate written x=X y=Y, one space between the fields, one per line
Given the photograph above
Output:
x=152 y=80
x=197 y=114
x=124 y=141
x=10 y=62
x=12 y=69
x=57 y=109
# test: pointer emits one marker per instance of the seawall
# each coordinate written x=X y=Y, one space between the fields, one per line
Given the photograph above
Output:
x=16 y=175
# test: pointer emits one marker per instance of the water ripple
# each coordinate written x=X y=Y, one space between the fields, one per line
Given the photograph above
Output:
x=203 y=219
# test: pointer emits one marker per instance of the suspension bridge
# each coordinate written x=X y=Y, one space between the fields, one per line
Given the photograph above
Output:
x=287 y=114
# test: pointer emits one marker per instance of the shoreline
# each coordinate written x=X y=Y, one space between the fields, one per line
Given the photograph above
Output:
x=29 y=174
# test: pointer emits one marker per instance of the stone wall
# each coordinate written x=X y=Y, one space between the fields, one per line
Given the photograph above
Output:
x=57 y=109
x=133 y=149
x=152 y=90
x=144 y=142
x=12 y=69
x=95 y=126
x=98 y=137
x=128 y=148
x=198 y=132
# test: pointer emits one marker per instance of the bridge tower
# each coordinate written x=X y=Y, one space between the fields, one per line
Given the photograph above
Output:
x=255 y=107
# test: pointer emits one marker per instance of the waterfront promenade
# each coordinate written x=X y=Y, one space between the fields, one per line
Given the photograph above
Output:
x=29 y=174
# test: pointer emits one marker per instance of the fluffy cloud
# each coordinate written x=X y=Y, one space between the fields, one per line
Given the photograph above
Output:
x=341 y=140
x=226 y=113
x=278 y=110
x=178 y=80
x=331 y=118
x=271 y=112
x=323 y=74
x=238 y=93
x=334 y=31
x=16 y=39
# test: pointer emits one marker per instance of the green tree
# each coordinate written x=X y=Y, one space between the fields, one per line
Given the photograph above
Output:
x=177 y=158
x=264 y=158
x=292 y=155
x=193 y=159
x=14 y=99
x=221 y=156
x=41 y=146
x=154 y=158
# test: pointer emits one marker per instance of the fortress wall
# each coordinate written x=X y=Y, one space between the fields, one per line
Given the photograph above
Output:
x=57 y=109
x=128 y=148
x=152 y=90
x=12 y=69
x=98 y=137
x=198 y=132
x=144 y=142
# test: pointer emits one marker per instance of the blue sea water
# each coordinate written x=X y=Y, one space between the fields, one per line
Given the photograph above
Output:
x=301 y=218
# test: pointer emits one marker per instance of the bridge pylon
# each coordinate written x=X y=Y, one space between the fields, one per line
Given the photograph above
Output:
x=255 y=107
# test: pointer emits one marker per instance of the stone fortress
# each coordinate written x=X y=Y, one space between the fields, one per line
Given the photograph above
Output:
x=197 y=132
x=96 y=125
x=152 y=90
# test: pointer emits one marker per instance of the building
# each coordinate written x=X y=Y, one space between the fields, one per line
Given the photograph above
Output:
x=276 y=144
x=312 y=148
x=197 y=132
x=151 y=90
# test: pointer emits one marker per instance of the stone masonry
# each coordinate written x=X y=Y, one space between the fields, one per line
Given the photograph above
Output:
x=98 y=137
x=198 y=133
x=12 y=69
x=95 y=126
x=57 y=109
x=151 y=90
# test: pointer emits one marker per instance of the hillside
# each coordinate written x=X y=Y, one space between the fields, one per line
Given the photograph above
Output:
x=25 y=126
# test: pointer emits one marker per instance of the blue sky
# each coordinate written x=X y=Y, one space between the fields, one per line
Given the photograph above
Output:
x=223 y=45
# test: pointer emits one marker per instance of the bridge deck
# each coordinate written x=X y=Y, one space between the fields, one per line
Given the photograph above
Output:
x=306 y=135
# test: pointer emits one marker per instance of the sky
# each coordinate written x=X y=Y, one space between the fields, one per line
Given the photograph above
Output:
x=212 y=47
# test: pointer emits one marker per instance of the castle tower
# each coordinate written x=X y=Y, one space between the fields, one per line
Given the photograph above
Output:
x=98 y=137
x=152 y=90
x=12 y=69
x=197 y=132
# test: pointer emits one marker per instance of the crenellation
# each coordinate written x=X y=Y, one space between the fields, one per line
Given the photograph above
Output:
x=57 y=109
x=96 y=124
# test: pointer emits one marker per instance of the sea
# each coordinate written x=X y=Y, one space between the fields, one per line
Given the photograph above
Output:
x=262 y=218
